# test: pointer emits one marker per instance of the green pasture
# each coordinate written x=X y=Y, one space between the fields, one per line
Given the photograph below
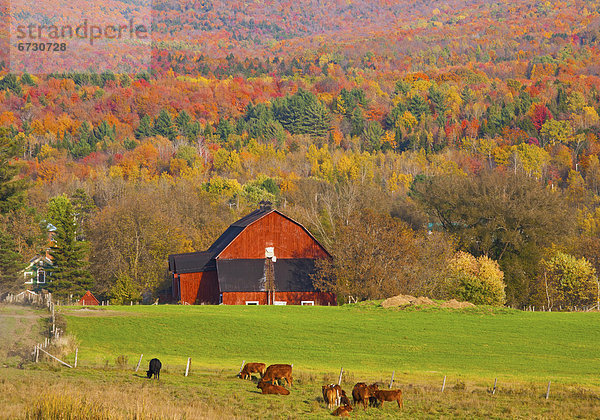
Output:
x=368 y=341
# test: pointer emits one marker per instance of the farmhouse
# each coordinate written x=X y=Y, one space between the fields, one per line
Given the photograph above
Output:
x=37 y=273
x=265 y=258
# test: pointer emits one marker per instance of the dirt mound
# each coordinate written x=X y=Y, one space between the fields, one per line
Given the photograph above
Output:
x=424 y=301
x=400 y=300
x=408 y=300
x=455 y=304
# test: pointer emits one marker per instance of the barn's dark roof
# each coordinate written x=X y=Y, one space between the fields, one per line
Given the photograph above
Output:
x=246 y=275
x=236 y=228
x=192 y=262
x=205 y=261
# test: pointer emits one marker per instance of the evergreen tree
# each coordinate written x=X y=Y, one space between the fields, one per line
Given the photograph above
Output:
x=27 y=80
x=182 y=121
x=372 y=136
x=163 y=125
x=11 y=189
x=11 y=199
x=102 y=132
x=11 y=262
x=302 y=113
x=144 y=129
x=9 y=82
x=418 y=106
x=69 y=272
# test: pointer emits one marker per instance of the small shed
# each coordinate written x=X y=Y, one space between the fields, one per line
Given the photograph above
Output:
x=265 y=258
x=88 y=299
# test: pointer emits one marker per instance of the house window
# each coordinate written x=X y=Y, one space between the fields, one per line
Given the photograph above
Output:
x=252 y=302
x=41 y=276
x=280 y=302
x=28 y=278
x=308 y=303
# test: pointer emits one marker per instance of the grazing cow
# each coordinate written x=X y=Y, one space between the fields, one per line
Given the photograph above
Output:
x=362 y=393
x=250 y=368
x=389 y=395
x=334 y=396
x=343 y=411
x=268 y=388
x=154 y=369
x=278 y=371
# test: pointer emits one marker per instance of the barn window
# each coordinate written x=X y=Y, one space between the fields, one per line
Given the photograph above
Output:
x=280 y=302
x=308 y=303
x=41 y=276
x=252 y=302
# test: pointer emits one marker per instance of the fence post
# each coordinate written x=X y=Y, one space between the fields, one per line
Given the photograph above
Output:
x=76 y=352
x=444 y=384
x=548 y=390
x=241 y=367
x=139 y=361
x=187 y=368
x=392 y=381
x=57 y=359
x=340 y=378
x=494 y=388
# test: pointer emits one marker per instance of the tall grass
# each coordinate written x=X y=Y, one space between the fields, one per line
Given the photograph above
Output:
x=121 y=394
x=66 y=407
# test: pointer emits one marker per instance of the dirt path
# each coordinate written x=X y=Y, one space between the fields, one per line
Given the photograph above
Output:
x=20 y=329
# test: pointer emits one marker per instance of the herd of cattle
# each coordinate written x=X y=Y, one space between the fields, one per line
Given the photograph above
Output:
x=333 y=394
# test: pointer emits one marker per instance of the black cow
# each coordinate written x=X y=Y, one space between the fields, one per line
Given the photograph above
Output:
x=154 y=369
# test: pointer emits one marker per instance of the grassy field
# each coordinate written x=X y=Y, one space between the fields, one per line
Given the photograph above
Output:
x=366 y=341
x=471 y=347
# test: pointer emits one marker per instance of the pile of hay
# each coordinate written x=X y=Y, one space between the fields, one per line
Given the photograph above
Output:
x=408 y=300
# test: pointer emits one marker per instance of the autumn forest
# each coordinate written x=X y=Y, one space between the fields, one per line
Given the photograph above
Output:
x=434 y=148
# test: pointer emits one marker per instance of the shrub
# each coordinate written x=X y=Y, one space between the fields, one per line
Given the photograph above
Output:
x=570 y=281
x=121 y=361
x=476 y=280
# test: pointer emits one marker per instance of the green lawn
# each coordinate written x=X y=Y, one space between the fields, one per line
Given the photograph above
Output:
x=366 y=341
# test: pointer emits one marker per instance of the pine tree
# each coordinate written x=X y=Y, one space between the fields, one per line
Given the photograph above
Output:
x=11 y=263
x=144 y=129
x=11 y=199
x=163 y=125
x=69 y=272
x=11 y=189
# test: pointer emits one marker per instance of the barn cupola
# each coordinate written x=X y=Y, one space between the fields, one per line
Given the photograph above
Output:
x=265 y=205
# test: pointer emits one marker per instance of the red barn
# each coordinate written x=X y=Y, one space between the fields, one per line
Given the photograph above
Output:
x=88 y=299
x=265 y=258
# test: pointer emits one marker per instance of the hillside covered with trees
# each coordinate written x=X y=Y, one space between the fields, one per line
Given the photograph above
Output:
x=428 y=145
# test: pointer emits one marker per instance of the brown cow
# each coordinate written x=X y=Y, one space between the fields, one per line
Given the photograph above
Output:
x=278 y=371
x=361 y=393
x=250 y=368
x=334 y=396
x=342 y=411
x=268 y=388
x=389 y=395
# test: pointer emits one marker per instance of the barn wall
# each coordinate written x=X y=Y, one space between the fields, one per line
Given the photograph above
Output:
x=88 y=301
x=199 y=287
x=292 y=298
x=289 y=239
